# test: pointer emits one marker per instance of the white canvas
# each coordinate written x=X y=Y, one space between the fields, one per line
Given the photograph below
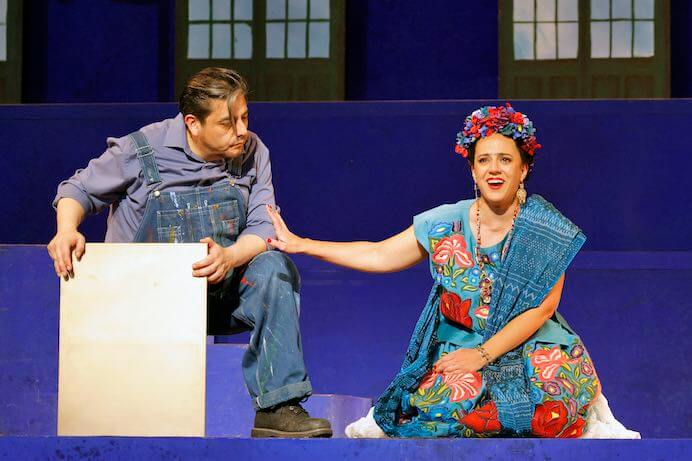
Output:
x=133 y=342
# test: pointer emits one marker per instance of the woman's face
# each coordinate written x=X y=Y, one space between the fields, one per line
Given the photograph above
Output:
x=498 y=169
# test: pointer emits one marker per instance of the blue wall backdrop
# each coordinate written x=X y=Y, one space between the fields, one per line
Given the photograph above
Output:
x=616 y=168
x=123 y=50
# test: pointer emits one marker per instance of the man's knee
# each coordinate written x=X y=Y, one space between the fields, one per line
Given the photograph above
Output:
x=273 y=264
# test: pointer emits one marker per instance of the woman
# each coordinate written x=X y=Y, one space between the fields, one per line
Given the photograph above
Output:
x=490 y=355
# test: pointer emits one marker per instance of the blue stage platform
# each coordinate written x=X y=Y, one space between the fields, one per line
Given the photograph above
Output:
x=155 y=449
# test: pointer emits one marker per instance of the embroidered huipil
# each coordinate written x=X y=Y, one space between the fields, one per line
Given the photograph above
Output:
x=561 y=375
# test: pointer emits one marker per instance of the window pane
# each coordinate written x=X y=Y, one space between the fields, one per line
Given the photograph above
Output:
x=643 y=39
x=276 y=38
x=545 y=41
x=297 y=9
x=296 y=39
x=221 y=41
x=276 y=9
x=198 y=10
x=600 y=9
x=3 y=43
x=242 y=35
x=3 y=11
x=644 y=9
x=319 y=40
x=567 y=10
x=523 y=41
x=242 y=10
x=221 y=10
x=622 y=9
x=545 y=10
x=567 y=40
x=600 y=39
x=523 y=10
x=198 y=41
x=319 y=9
x=622 y=39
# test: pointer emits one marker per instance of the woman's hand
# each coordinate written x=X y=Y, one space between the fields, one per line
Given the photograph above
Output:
x=217 y=263
x=286 y=240
x=460 y=361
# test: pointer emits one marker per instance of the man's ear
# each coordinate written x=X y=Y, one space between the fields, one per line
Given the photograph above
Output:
x=192 y=123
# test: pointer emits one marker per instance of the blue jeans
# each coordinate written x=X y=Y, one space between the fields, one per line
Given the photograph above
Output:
x=264 y=298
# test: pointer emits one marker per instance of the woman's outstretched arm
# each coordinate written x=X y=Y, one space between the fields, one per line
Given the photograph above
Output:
x=396 y=253
x=510 y=336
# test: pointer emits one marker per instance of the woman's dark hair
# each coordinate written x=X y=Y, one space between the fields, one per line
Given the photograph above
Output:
x=526 y=159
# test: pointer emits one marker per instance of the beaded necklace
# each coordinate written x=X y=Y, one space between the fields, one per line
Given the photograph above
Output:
x=486 y=284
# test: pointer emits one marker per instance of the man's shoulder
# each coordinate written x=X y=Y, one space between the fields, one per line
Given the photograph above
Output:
x=255 y=145
x=157 y=134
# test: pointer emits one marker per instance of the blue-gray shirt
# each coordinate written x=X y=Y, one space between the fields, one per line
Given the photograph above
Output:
x=115 y=179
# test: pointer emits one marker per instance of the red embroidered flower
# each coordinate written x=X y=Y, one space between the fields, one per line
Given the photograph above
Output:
x=547 y=362
x=464 y=385
x=575 y=430
x=549 y=419
x=483 y=419
x=451 y=248
x=456 y=310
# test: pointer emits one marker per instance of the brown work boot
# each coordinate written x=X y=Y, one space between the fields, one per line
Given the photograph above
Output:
x=289 y=420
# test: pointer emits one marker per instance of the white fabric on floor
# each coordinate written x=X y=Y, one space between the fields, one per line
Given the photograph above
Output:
x=600 y=424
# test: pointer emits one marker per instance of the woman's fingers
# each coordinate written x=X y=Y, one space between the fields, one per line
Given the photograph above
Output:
x=277 y=220
x=278 y=244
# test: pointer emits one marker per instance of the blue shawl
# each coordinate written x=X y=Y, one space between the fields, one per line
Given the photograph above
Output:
x=543 y=245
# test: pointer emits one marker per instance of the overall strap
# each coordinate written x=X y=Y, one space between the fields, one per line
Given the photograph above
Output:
x=147 y=161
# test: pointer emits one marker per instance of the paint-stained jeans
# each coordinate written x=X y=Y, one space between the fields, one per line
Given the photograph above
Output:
x=264 y=299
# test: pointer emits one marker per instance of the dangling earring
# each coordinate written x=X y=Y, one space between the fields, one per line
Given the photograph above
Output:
x=521 y=194
x=475 y=190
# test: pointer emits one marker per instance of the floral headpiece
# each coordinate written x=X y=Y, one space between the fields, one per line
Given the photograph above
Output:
x=505 y=120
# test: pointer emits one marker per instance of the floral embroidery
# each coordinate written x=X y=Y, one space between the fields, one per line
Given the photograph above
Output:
x=547 y=362
x=573 y=381
x=575 y=430
x=452 y=248
x=549 y=419
x=464 y=385
x=563 y=382
x=482 y=312
x=456 y=310
x=483 y=419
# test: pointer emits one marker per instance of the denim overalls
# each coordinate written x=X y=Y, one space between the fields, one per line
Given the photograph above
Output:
x=262 y=296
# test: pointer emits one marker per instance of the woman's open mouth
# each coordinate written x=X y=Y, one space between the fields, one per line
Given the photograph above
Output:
x=495 y=183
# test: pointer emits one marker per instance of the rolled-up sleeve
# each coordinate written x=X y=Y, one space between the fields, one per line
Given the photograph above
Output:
x=104 y=180
x=261 y=194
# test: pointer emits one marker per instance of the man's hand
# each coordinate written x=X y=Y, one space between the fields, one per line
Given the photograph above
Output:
x=217 y=263
x=60 y=249
x=460 y=361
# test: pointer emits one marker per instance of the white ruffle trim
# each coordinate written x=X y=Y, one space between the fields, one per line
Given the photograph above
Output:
x=600 y=424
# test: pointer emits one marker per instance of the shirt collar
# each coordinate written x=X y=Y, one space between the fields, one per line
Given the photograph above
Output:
x=176 y=137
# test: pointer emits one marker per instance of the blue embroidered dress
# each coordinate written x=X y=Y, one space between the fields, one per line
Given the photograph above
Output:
x=562 y=380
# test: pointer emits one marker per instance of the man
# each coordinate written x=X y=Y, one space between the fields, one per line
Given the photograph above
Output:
x=202 y=176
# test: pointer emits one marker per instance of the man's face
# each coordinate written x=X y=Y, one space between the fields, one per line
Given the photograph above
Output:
x=222 y=135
